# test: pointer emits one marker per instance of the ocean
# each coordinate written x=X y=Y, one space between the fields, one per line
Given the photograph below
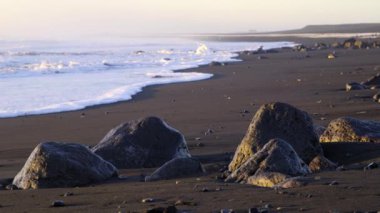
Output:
x=38 y=77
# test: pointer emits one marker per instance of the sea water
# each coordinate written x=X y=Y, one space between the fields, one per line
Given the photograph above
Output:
x=38 y=77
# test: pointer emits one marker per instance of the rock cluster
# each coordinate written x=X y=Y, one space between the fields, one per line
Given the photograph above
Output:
x=274 y=163
x=278 y=120
x=281 y=143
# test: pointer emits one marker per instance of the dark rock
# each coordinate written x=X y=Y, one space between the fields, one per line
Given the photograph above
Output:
x=293 y=182
x=216 y=64
x=372 y=165
x=373 y=81
x=148 y=142
x=58 y=203
x=355 y=86
x=319 y=130
x=54 y=164
x=253 y=210
x=278 y=120
x=205 y=189
x=275 y=162
x=11 y=187
x=178 y=167
x=333 y=183
x=169 y=209
x=347 y=129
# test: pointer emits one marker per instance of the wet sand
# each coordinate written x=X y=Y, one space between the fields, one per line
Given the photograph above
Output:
x=226 y=104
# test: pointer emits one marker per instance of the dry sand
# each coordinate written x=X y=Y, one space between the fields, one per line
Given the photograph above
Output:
x=314 y=84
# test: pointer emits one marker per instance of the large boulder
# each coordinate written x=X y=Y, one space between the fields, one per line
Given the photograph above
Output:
x=148 y=142
x=178 y=167
x=277 y=156
x=54 y=164
x=347 y=129
x=278 y=120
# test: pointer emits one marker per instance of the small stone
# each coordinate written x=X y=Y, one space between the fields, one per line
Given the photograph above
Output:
x=333 y=183
x=148 y=200
x=68 y=194
x=268 y=206
x=200 y=144
x=184 y=203
x=209 y=132
x=82 y=115
x=58 y=203
x=198 y=139
x=205 y=190
x=309 y=196
x=301 y=209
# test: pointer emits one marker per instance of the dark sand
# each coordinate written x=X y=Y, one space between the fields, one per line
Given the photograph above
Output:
x=313 y=84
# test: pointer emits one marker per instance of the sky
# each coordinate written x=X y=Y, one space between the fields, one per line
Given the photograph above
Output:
x=81 y=18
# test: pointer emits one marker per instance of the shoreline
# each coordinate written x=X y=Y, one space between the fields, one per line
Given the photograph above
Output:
x=226 y=104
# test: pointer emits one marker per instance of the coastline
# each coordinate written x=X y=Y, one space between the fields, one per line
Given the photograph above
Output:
x=313 y=84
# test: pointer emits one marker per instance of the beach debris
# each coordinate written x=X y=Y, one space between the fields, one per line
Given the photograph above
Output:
x=355 y=86
x=278 y=120
x=82 y=115
x=58 y=203
x=175 y=168
x=333 y=183
x=321 y=163
x=148 y=142
x=55 y=164
x=198 y=138
x=348 y=129
x=370 y=166
x=274 y=163
x=148 y=200
x=376 y=97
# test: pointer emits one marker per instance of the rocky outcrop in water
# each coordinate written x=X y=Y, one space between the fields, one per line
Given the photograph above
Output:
x=349 y=129
x=53 y=164
x=278 y=120
x=148 y=142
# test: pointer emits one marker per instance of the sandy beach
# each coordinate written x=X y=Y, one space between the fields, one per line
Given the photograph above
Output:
x=225 y=104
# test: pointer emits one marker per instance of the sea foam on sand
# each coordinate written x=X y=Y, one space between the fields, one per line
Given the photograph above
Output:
x=45 y=77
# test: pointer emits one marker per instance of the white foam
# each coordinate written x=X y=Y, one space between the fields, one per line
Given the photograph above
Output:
x=55 y=82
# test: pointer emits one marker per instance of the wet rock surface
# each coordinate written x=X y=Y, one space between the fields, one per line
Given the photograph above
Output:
x=148 y=142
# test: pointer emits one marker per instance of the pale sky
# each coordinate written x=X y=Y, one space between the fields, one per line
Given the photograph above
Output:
x=80 y=18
